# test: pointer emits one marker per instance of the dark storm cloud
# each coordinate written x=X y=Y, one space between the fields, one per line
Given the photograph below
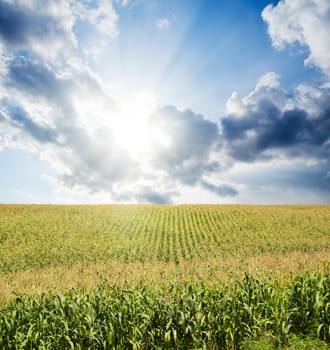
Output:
x=294 y=132
x=190 y=139
x=220 y=190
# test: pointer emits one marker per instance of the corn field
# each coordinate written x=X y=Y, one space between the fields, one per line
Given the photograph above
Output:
x=163 y=277
x=192 y=316
x=45 y=236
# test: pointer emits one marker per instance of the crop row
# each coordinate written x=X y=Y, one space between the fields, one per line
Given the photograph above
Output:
x=45 y=236
x=191 y=316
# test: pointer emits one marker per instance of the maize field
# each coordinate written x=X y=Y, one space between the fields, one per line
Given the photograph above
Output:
x=179 y=317
x=164 y=277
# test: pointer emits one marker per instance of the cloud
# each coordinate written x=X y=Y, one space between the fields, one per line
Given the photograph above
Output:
x=95 y=161
x=284 y=133
x=44 y=27
x=67 y=118
x=306 y=22
x=220 y=190
x=84 y=152
x=53 y=103
x=269 y=80
x=282 y=181
x=36 y=78
x=270 y=119
x=18 y=118
x=99 y=13
x=90 y=161
x=123 y=3
x=148 y=195
x=165 y=22
x=189 y=141
x=50 y=29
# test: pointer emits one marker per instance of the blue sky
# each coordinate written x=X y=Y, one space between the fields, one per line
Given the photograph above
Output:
x=135 y=101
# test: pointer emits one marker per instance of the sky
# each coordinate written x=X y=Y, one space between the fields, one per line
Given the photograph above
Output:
x=154 y=101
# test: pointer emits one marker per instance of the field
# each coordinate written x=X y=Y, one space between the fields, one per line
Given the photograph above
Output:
x=182 y=267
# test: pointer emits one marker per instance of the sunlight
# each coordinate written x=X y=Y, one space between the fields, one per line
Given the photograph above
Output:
x=127 y=115
x=132 y=128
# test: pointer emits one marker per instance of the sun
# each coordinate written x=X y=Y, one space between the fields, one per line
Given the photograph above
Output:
x=132 y=128
x=126 y=115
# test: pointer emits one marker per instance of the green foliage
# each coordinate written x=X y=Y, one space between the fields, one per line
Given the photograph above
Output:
x=193 y=316
x=294 y=343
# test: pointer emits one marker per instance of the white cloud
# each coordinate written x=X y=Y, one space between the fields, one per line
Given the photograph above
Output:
x=99 y=142
x=306 y=22
x=235 y=106
x=270 y=80
x=268 y=86
x=123 y=3
x=100 y=13
x=47 y=28
x=70 y=120
x=165 y=22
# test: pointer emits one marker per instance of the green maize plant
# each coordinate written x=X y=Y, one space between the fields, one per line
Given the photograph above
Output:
x=310 y=302
x=189 y=316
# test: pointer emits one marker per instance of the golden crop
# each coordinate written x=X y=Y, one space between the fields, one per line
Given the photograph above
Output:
x=65 y=246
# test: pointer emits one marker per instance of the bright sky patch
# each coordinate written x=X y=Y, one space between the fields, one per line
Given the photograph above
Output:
x=166 y=102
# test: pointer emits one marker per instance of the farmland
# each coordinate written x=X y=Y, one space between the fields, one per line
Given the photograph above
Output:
x=174 y=259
